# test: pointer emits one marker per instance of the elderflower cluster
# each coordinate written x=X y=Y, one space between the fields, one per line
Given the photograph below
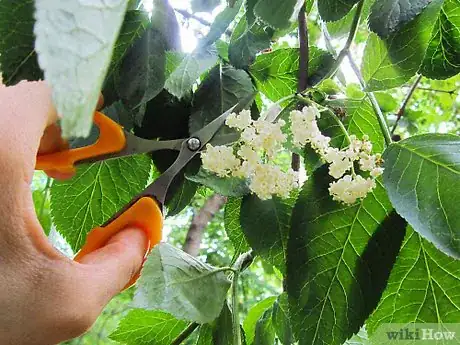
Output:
x=259 y=144
x=349 y=186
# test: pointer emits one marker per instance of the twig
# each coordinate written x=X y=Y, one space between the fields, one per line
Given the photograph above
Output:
x=404 y=104
x=185 y=333
x=303 y=69
x=351 y=36
x=450 y=92
x=188 y=15
x=242 y=263
x=382 y=122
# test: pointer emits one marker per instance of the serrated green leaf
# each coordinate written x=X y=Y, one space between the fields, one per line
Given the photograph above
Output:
x=423 y=287
x=392 y=62
x=339 y=257
x=342 y=27
x=181 y=285
x=18 y=59
x=265 y=224
x=278 y=17
x=220 y=25
x=204 y=5
x=222 y=89
x=254 y=314
x=226 y=186
x=134 y=25
x=387 y=16
x=422 y=179
x=264 y=332
x=95 y=194
x=165 y=21
x=276 y=73
x=141 y=75
x=331 y=10
x=181 y=80
x=386 y=101
x=233 y=226
x=246 y=42
x=442 y=59
x=281 y=321
x=144 y=327
x=74 y=42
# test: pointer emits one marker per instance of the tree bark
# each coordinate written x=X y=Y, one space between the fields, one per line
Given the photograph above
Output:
x=200 y=221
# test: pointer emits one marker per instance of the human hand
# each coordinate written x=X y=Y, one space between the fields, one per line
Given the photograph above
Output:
x=46 y=298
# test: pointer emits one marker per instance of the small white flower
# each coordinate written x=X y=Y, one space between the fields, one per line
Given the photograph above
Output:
x=367 y=162
x=376 y=172
x=248 y=136
x=240 y=121
x=220 y=160
x=249 y=154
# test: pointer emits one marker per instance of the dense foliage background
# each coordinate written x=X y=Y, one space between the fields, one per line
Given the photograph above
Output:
x=319 y=272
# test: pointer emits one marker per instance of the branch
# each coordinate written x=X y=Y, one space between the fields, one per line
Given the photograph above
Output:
x=188 y=15
x=351 y=36
x=200 y=221
x=185 y=333
x=450 y=92
x=404 y=104
x=303 y=69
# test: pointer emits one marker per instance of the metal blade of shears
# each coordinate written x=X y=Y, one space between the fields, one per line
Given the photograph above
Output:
x=136 y=145
x=189 y=149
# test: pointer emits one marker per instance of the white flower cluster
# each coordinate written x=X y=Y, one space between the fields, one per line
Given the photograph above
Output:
x=259 y=144
x=349 y=187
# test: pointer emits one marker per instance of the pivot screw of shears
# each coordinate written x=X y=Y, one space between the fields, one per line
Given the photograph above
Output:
x=194 y=144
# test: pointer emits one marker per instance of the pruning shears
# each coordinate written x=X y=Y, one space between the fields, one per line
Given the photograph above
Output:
x=145 y=210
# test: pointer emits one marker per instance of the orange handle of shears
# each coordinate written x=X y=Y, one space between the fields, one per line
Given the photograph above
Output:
x=144 y=214
x=111 y=139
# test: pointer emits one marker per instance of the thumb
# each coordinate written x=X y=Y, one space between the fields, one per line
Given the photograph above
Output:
x=112 y=266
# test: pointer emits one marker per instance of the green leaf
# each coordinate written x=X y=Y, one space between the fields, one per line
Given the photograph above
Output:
x=265 y=224
x=220 y=24
x=276 y=15
x=233 y=226
x=227 y=186
x=386 y=101
x=281 y=321
x=144 y=327
x=18 y=59
x=74 y=42
x=95 y=194
x=422 y=179
x=423 y=287
x=254 y=314
x=222 y=328
x=392 y=62
x=204 y=5
x=181 y=285
x=134 y=25
x=276 y=73
x=387 y=16
x=246 y=42
x=42 y=209
x=264 y=332
x=343 y=26
x=141 y=75
x=339 y=258
x=442 y=59
x=205 y=335
x=182 y=197
x=181 y=80
x=165 y=21
x=222 y=89
x=331 y=10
